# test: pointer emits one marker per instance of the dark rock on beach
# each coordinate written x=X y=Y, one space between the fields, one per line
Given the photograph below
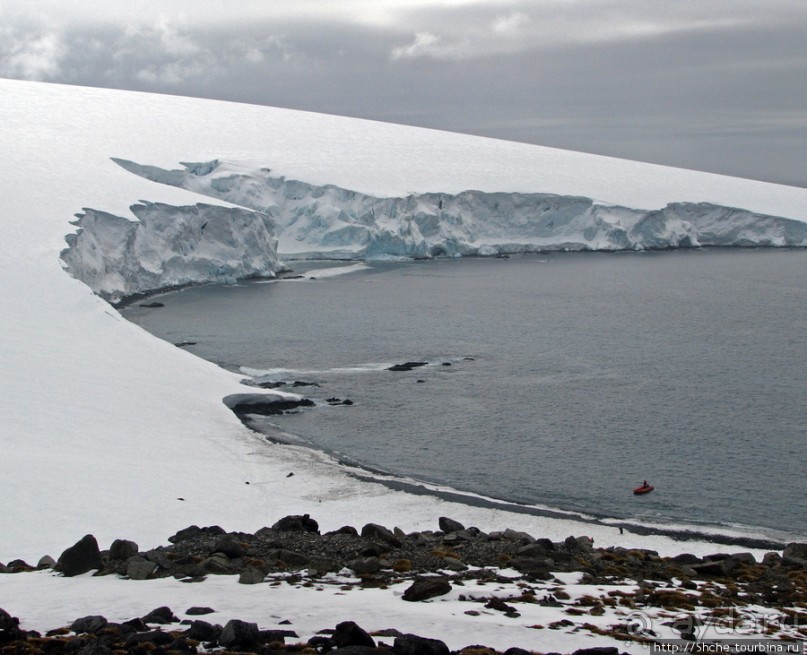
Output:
x=449 y=525
x=89 y=624
x=294 y=523
x=348 y=633
x=427 y=588
x=122 y=549
x=413 y=645
x=239 y=634
x=10 y=628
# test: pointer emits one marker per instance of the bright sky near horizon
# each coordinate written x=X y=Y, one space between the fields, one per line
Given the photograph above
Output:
x=716 y=85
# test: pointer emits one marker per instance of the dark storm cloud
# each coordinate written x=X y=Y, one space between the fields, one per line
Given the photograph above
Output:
x=710 y=85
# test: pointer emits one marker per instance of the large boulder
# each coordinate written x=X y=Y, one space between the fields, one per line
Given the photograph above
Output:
x=348 y=633
x=229 y=546
x=194 y=531
x=139 y=568
x=448 y=525
x=88 y=624
x=161 y=616
x=380 y=533
x=426 y=588
x=414 y=645
x=203 y=631
x=296 y=523
x=795 y=553
x=239 y=634
x=251 y=575
x=81 y=557
x=9 y=628
x=123 y=549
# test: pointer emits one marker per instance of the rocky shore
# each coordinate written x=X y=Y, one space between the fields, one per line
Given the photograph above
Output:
x=526 y=572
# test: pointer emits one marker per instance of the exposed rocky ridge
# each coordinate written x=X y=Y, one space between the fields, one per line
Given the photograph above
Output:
x=429 y=563
x=378 y=555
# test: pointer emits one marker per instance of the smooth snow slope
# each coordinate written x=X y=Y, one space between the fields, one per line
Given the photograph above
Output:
x=106 y=429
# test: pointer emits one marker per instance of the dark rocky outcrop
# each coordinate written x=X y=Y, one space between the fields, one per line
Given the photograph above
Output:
x=269 y=408
x=406 y=366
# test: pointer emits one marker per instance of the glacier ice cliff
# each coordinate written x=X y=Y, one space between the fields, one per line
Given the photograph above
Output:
x=169 y=246
x=329 y=221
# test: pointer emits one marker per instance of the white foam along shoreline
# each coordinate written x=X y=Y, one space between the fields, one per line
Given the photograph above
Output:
x=111 y=431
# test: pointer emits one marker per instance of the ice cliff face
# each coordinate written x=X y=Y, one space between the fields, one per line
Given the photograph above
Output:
x=169 y=246
x=328 y=221
x=172 y=246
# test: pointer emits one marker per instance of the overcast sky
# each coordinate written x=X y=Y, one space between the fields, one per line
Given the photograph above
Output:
x=716 y=85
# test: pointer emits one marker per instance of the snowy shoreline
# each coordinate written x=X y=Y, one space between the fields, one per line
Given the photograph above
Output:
x=746 y=536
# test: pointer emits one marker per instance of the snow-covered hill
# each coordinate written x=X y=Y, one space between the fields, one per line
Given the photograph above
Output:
x=550 y=200
x=106 y=429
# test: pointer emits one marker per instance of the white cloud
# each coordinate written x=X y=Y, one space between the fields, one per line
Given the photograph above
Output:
x=33 y=56
x=510 y=24
x=426 y=44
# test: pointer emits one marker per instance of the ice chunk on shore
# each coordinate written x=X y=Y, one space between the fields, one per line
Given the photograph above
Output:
x=169 y=246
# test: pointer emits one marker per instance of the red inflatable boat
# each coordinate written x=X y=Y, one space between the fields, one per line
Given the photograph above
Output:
x=643 y=489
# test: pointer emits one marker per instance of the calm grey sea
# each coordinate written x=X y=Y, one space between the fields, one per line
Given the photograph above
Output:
x=572 y=376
